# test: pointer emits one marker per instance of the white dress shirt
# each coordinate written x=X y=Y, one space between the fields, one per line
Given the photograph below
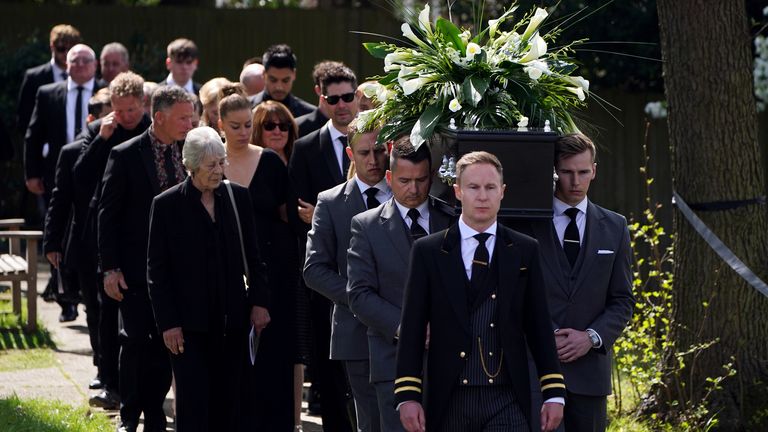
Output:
x=188 y=87
x=423 y=220
x=72 y=100
x=561 y=220
x=338 y=148
x=382 y=195
x=469 y=244
x=58 y=73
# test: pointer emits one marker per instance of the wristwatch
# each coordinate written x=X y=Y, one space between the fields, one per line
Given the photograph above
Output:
x=594 y=338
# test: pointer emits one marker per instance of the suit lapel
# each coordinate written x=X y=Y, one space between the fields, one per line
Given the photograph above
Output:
x=60 y=96
x=148 y=160
x=508 y=265
x=551 y=252
x=453 y=275
x=594 y=231
x=329 y=154
x=394 y=227
x=353 y=199
x=438 y=220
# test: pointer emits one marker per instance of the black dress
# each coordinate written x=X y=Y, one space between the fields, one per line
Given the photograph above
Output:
x=270 y=188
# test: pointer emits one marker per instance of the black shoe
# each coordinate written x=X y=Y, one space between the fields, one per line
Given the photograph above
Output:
x=68 y=313
x=106 y=399
x=96 y=384
x=49 y=295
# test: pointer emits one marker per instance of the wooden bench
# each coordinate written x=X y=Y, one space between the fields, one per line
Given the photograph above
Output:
x=16 y=269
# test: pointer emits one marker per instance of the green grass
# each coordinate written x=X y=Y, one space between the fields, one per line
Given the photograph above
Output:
x=627 y=424
x=12 y=335
x=36 y=415
x=38 y=358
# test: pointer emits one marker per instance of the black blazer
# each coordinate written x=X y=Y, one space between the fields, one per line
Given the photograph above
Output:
x=61 y=220
x=297 y=106
x=435 y=293
x=313 y=166
x=195 y=85
x=48 y=124
x=34 y=78
x=177 y=265
x=128 y=187
x=311 y=122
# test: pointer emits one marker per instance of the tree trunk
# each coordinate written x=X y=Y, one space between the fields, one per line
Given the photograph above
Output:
x=713 y=135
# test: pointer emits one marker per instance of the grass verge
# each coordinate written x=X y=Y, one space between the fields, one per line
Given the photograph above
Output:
x=37 y=358
x=37 y=415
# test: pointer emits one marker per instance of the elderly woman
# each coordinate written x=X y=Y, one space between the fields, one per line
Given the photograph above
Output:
x=195 y=268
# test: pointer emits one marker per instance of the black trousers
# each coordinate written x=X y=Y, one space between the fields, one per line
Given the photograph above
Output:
x=210 y=381
x=145 y=369
x=483 y=409
x=271 y=379
x=89 y=293
x=584 y=413
x=108 y=335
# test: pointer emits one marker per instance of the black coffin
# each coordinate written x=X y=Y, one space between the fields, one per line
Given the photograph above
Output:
x=527 y=158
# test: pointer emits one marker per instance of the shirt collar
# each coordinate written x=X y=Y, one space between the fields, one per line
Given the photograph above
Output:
x=560 y=207
x=382 y=185
x=71 y=85
x=335 y=133
x=57 y=71
x=188 y=86
x=423 y=209
x=153 y=138
x=466 y=231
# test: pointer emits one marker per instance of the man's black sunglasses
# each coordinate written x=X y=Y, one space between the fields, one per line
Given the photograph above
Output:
x=272 y=125
x=61 y=48
x=346 y=97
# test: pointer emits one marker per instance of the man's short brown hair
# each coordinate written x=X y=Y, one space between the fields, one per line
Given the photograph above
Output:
x=478 y=157
x=182 y=49
x=573 y=144
x=65 y=33
x=127 y=84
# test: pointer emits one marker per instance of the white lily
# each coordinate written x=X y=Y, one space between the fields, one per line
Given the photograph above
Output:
x=412 y=85
x=539 y=16
x=538 y=49
x=493 y=25
x=579 y=81
x=578 y=91
x=536 y=68
x=454 y=105
x=408 y=32
x=523 y=122
x=473 y=49
x=424 y=23
x=465 y=35
x=370 y=89
x=397 y=57
x=364 y=117
x=383 y=94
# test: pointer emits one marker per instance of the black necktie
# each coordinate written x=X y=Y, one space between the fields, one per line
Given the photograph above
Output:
x=64 y=76
x=417 y=231
x=170 y=168
x=480 y=261
x=344 y=158
x=79 y=111
x=571 y=242
x=371 y=200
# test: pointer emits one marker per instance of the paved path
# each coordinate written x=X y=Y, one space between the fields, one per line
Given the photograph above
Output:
x=68 y=379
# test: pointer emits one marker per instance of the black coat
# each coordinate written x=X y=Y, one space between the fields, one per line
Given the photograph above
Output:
x=177 y=262
x=435 y=293
x=311 y=122
x=128 y=187
x=313 y=166
x=34 y=78
x=297 y=106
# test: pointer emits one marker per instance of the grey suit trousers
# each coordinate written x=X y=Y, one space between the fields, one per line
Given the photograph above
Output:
x=390 y=417
x=366 y=406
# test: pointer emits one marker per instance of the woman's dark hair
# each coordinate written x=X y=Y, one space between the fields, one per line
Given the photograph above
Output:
x=265 y=112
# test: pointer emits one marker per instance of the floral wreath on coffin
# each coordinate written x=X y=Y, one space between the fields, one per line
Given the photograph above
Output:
x=445 y=77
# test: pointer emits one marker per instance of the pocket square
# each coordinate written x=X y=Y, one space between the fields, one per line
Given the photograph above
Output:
x=604 y=252
x=522 y=269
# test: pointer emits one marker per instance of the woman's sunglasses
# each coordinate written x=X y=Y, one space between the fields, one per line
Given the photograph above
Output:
x=333 y=100
x=272 y=125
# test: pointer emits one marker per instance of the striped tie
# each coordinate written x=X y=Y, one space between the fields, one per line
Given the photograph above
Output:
x=571 y=239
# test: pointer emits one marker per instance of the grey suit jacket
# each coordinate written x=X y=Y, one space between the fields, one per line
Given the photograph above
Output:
x=376 y=266
x=596 y=293
x=325 y=268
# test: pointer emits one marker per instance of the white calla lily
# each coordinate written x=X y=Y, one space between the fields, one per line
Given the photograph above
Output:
x=523 y=122
x=536 y=20
x=454 y=105
x=578 y=91
x=370 y=89
x=579 y=81
x=412 y=85
x=424 y=23
x=493 y=25
x=465 y=35
x=536 y=68
x=538 y=49
x=408 y=32
x=473 y=49
x=396 y=58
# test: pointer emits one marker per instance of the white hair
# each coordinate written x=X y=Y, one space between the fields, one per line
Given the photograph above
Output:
x=201 y=142
x=115 y=47
x=80 y=47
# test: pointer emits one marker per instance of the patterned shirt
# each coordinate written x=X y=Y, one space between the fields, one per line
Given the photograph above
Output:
x=158 y=150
